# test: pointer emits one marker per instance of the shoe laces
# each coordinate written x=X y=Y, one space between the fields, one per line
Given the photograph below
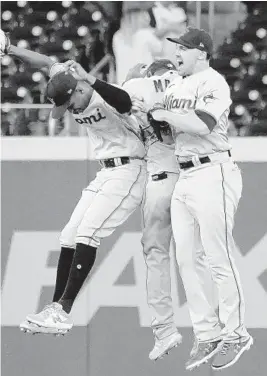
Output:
x=48 y=309
x=207 y=348
x=51 y=309
x=237 y=348
x=225 y=348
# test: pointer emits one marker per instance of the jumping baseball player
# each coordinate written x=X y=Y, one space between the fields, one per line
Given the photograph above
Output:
x=163 y=172
x=110 y=198
x=206 y=194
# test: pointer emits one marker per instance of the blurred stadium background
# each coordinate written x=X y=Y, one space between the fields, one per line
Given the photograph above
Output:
x=101 y=36
x=42 y=178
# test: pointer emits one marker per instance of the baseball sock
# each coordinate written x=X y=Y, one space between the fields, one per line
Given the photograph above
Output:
x=63 y=270
x=82 y=263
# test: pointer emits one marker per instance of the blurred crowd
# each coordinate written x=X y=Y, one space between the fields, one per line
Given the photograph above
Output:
x=108 y=38
x=142 y=34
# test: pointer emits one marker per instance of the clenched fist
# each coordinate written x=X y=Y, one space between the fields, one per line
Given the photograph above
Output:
x=76 y=70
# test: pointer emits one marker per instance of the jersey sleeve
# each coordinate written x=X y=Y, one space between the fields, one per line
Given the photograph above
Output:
x=133 y=87
x=214 y=97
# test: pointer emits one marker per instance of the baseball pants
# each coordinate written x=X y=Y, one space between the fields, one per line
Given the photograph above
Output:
x=203 y=206
x=157 y=235
x=105 y=204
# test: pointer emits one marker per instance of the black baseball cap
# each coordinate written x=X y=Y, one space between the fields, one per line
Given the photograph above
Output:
x=195 y=38
x=59 y=91
x=157 y=65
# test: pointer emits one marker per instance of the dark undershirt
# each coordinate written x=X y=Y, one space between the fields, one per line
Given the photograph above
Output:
x=114 y=96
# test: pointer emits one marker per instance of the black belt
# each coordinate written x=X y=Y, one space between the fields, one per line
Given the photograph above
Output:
x=112 y=163
x=163 y=175
x=202 y=160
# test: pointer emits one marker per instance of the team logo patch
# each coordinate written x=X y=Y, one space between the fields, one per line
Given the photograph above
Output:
x=209 y=98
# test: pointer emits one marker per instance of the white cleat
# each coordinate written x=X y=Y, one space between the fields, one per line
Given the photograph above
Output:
x=230 y=353
x=163 y=346
x=52 y=317
x=31 y=328
x=205 y=351
x=194 y=348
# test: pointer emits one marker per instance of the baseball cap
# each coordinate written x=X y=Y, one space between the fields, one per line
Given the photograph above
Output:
x=158 y=65
x=195 y=38
x=59 y=91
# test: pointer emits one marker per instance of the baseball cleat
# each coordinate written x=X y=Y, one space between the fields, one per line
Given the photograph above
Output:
x=230 y=353
x=27 y=327
x=59 y=334
x=31 y=328
x=52 y=317
x=205 y=351
x=163 y=346
x=25 y=330
x=194 y=348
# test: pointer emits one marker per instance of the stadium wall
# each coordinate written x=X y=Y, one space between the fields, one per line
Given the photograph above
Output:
x=42 y=179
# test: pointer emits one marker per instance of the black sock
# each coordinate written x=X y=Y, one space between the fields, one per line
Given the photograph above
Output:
x=82 y=263
x=63 y=270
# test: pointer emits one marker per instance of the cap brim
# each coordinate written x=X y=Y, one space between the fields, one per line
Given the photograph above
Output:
x=58 y=111
x=186 y=44
x=174 y=40
x=181 y=41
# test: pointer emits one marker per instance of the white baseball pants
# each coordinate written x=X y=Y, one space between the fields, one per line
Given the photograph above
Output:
x=203 y=206
x=105 y=204
x=157 y=234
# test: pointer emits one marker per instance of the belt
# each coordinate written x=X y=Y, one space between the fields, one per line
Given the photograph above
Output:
x=161 y=176
x=115 y=162
x=198 y=162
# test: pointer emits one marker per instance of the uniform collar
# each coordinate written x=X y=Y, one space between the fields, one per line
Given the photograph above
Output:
x=198 y=73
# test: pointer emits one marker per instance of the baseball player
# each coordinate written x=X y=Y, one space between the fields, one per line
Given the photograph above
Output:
x=207 y=192
x=110 y=198
x=163 y=172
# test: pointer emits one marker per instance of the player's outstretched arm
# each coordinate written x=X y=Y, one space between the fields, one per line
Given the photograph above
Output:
x=113 y=95
x=32 y=58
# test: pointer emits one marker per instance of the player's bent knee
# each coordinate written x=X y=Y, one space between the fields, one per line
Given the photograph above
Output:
x=92 y=241
x=67 y=240
x=147 y=244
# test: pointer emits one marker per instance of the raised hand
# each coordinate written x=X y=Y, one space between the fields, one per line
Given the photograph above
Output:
x=76 y=70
